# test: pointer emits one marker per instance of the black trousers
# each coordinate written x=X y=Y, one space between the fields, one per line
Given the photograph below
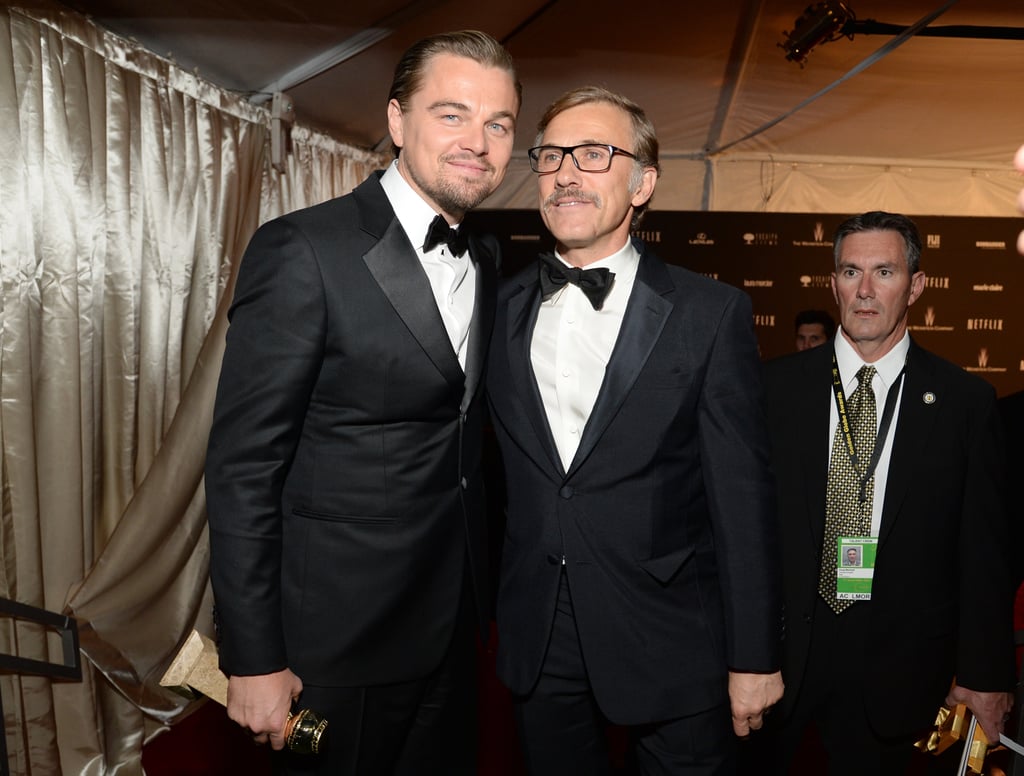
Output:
x=426 y=727
x=831 y=700
x=563 y=732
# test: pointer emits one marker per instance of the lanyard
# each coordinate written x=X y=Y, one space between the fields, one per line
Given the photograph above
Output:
x=883 y=427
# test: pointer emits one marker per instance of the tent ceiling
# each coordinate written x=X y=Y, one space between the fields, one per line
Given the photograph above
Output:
x=707 y=77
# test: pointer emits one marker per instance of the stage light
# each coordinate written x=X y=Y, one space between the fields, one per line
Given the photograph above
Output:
x=820 y=23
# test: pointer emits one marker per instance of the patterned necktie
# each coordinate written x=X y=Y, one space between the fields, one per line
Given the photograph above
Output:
x=594 y=283
x=846 y=514
x=439 y=232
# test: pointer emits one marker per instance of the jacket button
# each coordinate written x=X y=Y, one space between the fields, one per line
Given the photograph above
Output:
x=566 y=491
x=464 y=483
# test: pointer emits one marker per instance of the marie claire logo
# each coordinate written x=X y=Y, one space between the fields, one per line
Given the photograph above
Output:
x=936 y=282
x=819 y=240
x=648 y=236
x=993 y=287
x=934 y=241
x=991 y=245
x=702 y=239
x=929 y=323
x=984 y=324
x=764 y=320
x=761 y=238
x=815 y=281
x=758 y=283
x=983 y=363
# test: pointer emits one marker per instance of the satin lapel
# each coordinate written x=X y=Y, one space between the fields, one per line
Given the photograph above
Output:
x=811 y=442
x=483 y=318
x=393 y=263
x=522 y=311
x=913 y=425
x=646 y=313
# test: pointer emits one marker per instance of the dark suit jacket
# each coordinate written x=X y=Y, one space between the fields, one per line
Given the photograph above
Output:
x=941 y=597
x=665 y=517
x=343 y=472
x=1011 y=408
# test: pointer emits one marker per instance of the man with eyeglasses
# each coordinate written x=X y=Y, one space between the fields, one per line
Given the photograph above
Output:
x=640 y=582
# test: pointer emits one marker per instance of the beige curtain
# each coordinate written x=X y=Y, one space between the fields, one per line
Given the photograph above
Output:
x=128 y=190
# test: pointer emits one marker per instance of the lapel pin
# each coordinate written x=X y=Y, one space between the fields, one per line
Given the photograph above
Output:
x=929 y=397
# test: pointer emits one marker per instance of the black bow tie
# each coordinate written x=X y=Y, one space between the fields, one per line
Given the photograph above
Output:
x=594 y=283
x=439 y=232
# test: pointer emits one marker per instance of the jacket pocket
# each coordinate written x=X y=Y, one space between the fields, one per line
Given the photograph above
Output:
x=665 y=567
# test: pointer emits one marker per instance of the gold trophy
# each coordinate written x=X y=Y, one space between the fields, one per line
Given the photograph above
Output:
x=195 y=670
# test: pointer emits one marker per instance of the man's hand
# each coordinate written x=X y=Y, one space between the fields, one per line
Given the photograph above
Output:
x=991 y=709
x=261 y=704
x=751 y=695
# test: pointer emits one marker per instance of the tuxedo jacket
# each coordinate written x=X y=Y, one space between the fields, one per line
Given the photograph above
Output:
x=941 y=603
x=664 y=518
x=343 y=471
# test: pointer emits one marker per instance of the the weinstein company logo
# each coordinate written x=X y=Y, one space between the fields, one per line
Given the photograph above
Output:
x=983 y=363
x=818 y=241
x=761 y=238
x=929 y=323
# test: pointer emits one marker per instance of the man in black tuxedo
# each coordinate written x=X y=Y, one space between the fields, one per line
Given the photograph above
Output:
x=348 y=551
x=639 y=581
x=928 y=511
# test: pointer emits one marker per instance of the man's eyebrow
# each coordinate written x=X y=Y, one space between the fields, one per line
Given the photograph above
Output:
x=441 y=104
x=503 y=114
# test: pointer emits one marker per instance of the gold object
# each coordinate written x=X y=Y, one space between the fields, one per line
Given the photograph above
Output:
x=195 y=670
x=304 y=731
x=952 y=725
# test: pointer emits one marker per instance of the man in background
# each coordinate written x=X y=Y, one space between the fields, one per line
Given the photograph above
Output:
x=813 y=328
x=639 y=580
x=878 y=441
x=348 y=551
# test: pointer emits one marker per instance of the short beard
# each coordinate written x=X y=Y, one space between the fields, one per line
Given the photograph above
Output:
x=453 y=196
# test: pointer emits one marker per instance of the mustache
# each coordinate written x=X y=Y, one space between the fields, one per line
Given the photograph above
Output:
x=479 y=160
x=571 y=195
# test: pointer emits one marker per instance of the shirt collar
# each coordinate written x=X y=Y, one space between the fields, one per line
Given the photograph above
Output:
x=888 y=366
x=412 y=211
x=623 y=263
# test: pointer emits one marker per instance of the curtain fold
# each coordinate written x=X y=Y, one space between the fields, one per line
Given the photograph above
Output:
x=128 y=191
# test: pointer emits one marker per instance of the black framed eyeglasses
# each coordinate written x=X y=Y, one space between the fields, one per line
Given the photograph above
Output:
x=588 y=157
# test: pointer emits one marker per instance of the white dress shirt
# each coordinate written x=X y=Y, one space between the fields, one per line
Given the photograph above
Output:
x=452 y=278
x=887 y=370
x=571 y=345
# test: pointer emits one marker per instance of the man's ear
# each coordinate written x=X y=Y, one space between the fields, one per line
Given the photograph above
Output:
x=645 y=190
x=916 y=287
x=395 y=127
